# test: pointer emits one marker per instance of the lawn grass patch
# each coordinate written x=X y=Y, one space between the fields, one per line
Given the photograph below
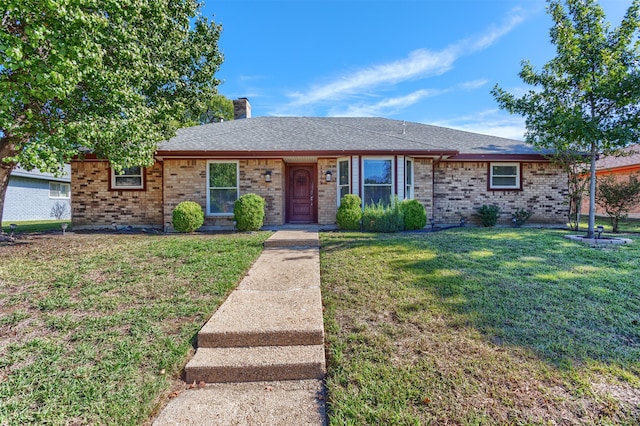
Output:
x=480 y=326
x=35 y=226
x=629 y=225
x=95 y=328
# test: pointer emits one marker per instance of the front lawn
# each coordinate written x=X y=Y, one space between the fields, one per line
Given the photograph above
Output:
x=29 y=226
x=480 y=326
x=94 y=328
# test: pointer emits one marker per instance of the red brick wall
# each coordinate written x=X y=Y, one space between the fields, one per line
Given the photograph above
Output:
x=94 y=205
x=460 y=188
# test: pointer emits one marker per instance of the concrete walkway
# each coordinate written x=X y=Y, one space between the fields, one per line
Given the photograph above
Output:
x=261 y=354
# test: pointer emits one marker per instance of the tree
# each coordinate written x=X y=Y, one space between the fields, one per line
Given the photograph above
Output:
x=587 y=98
x=617 y=197
x=112 y=77
x=577 y=171
x=219 y=108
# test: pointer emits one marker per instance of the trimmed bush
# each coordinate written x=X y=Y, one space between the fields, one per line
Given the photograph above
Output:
x=248 y=212
x=520 y=216
x=415 y=215
x=383 y=218
x=187 y=216
x=488 y=215
x=349 y=212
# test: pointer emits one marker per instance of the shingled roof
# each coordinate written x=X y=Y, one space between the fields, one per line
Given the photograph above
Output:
x=630 y=157
x=335 y=136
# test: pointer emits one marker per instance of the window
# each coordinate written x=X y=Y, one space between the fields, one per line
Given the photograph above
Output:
x=130 y=178
x=377 y=177
x=408 y=179
x=344 y=179
x=59 y=190
x=222 y=187
x=504 y=176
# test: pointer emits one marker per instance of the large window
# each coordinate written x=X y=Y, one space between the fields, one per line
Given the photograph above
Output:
x=377 y=175
x=344 y=179
x=130 y=178
x=408 y=179
x=59 y=190
x=222 y=187
x=504 y=176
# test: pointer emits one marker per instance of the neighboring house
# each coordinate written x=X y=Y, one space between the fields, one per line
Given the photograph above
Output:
x=302 y=166
x=620 y=167
x=32 y=195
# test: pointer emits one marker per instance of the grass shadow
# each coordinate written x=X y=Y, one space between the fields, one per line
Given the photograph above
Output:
x=531 y=288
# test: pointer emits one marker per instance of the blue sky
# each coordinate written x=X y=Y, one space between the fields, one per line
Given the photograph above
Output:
x=427 y=61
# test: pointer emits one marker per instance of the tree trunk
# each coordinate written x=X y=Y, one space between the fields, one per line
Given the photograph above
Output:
x=592 y=192
x=7 y=149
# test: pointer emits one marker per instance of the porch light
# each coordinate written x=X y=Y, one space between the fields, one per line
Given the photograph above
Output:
x=267 y=176
x=327 y=175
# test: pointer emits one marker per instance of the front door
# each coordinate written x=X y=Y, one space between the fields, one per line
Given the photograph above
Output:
x=301 y=188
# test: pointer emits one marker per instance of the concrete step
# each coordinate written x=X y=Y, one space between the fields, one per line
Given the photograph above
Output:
x=253 y=364
x=266 y=318
x=293 y=238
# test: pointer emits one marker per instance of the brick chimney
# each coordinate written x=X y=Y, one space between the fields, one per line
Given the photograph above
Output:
x=241 y=108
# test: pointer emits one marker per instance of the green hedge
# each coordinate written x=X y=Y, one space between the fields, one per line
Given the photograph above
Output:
x=248 y=212
x=187 y=216
x=349 y=213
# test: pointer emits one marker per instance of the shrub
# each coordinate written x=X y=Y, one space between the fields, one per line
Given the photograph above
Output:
x=382 y=218
x=520 y=216
x=349 y=212
x=248 y=212
x=488 y=215
x=415 y=215
x=187 y=216
x=617 y=197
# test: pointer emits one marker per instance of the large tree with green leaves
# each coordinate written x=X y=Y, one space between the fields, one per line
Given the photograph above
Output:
x=111 y=76
x=587 y=98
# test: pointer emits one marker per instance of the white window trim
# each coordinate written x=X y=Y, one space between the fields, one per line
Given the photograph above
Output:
x=413 y=178
x=342 y=160
x=517 y=185
x=237 y=188
x=114 y=180
x=60 y=197
x=393 y=175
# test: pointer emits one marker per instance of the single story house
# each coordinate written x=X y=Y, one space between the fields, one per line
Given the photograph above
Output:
x=32 y=195
x=302 y=166
x=620 y=167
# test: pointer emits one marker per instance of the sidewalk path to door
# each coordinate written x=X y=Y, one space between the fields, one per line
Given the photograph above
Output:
x=261 y=354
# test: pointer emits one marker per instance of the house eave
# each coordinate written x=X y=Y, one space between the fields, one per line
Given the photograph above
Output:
x=300 y=153
x=499 y=157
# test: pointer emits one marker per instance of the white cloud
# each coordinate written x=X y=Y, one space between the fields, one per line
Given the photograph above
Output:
x=383 y=107
x=490 y=122
x=418 y=64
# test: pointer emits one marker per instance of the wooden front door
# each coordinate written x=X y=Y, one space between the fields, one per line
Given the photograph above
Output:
x=301 y=194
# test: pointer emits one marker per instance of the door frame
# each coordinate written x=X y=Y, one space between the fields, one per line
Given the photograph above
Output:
x=287 y=191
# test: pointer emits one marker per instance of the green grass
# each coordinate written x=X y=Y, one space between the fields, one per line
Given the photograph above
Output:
x=629 y=225
x=480 y=326
x=95 y=329
x=35 y=226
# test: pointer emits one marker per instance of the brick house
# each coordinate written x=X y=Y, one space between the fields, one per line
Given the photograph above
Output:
x=620 y=167
x=302 y=166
